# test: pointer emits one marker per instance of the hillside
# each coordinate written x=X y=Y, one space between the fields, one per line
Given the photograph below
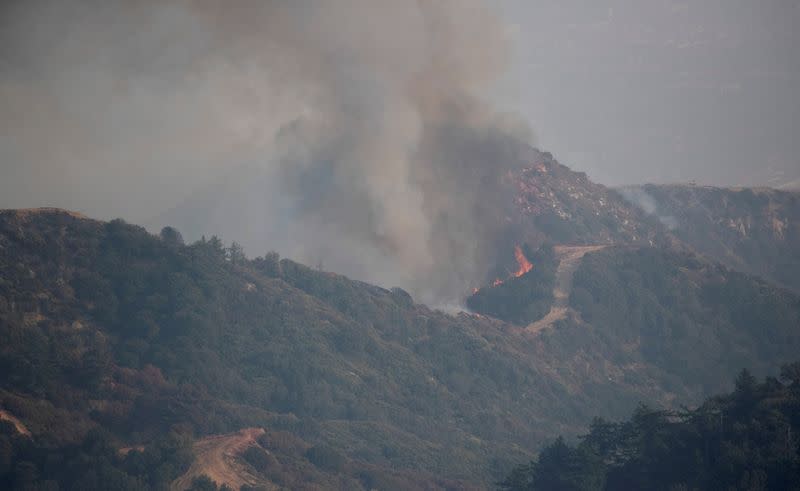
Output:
x=752 y=230
x=540 y=201
x=558 y=205
x=114 y=338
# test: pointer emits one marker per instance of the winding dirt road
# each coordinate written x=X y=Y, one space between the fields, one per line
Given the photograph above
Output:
x=19 y=425
x=569 y=260
x=216 y=457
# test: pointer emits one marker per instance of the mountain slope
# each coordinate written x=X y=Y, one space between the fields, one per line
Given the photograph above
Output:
x=752 y=230
x=558 y=205
x=105 y=327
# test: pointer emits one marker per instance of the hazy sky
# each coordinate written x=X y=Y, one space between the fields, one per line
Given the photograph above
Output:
x=626 y=90
x=661 y=90
x=372 y=135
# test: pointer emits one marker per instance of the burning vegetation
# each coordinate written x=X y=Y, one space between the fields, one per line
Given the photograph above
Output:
x=522 y=261
x=523 y=266
x=521 y=298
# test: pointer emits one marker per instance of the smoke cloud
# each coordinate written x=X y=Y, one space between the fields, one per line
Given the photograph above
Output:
x=353 y=133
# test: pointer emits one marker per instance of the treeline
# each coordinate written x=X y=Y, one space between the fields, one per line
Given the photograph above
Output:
x=95 y=464
x=105 y=325
x=746 y=440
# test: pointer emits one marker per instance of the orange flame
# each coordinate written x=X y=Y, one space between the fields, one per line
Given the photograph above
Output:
x=524 y=264
x=524 y=267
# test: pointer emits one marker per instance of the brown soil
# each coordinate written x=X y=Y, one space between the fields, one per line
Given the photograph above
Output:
x=216 y=457
x=21 y=428
x=569 y=260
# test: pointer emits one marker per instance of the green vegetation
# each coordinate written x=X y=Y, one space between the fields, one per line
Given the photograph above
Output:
x=107 y=328
x=105 y=325
x=694 y=320
x=520 y=300
x=752 y=230
x=94 y=464
x=746 y=440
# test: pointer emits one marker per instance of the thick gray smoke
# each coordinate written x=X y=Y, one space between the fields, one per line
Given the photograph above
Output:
x=351 y=132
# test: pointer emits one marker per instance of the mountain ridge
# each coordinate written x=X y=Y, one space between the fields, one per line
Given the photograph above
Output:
x=756 y=230
x=140 y=335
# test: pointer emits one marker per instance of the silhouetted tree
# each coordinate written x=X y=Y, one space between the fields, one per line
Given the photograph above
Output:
x=171 y=236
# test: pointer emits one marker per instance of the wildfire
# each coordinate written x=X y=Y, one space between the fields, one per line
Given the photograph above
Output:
x=524 y=264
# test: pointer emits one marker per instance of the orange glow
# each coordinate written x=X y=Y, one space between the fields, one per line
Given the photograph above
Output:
x=524 y=264
x=524 y=267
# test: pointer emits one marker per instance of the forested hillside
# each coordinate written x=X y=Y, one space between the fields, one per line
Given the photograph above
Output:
x=745 y=440
x=694 y=320
x=121 y=351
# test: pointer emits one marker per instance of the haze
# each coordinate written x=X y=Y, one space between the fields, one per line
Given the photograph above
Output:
x=662 y=91
x=371 y=136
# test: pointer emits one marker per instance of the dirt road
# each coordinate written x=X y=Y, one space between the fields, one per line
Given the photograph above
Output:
x=569 y=260
x=21 y=428
x=215 y=457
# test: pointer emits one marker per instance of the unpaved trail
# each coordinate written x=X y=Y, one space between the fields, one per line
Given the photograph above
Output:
x=216 y=457
x=569 y=260
x=19 y=425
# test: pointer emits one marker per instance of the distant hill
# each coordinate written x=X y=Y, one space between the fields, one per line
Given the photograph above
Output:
x=755 y=230
x=114 y=338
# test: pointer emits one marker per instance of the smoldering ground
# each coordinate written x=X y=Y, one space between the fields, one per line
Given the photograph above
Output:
x=355 y=133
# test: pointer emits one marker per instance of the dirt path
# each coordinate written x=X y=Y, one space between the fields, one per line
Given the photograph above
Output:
x=569 y=260
x=215 y=457
x=19 y=425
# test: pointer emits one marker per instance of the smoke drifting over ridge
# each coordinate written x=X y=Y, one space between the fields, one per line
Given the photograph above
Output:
x=358 y=127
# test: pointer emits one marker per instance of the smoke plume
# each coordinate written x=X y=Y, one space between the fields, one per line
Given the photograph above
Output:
x=638 y=196
x=352 y=133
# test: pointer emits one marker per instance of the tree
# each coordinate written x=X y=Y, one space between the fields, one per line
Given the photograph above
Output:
x=171 y=236
x=216 y=246
x=270 y=264
x=235 y=253
x=203 y=483
x=791 y=374
x=569 y=469
x=745 y=394
x=745 y=382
